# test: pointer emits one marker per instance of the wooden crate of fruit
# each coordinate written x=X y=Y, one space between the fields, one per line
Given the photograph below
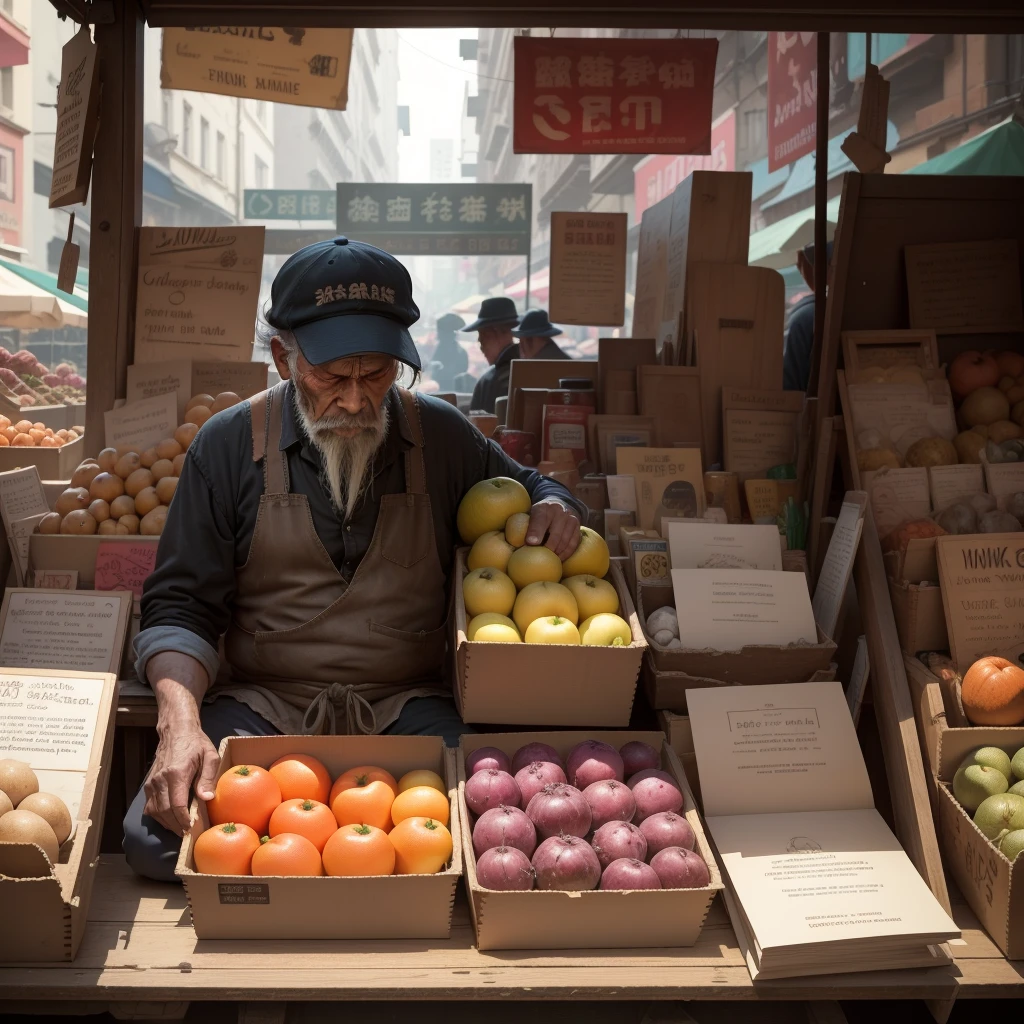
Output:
x=322 y=875
x=544 y=878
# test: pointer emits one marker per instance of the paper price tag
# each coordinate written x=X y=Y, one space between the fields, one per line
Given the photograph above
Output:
x=121 y=566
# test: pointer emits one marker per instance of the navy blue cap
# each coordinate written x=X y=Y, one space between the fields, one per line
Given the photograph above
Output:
x=342 y=298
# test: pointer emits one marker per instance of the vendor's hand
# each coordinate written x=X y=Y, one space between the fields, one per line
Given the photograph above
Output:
x=182 y=757
x=552 y=519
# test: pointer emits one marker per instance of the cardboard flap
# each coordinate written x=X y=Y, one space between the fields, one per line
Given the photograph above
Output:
x=24 y=861
x=956 y=744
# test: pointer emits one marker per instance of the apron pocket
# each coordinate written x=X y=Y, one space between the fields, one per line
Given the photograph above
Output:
x=406 y=529
x=424 y=636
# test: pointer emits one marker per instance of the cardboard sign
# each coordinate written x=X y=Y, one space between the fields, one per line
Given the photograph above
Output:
x=835 y=573
x=54 y=629
x=669 y=482
x=696 y=544
x=198 y=290
x=759 y=429
x=307 y=67
x=77 y=108
x=982 y=579
x=792 y=96
x=56 y=579
x=121 y=566
x=186 y=378
x=141 y=424
x=588 y=269
x=652 y=269
x=613 y=95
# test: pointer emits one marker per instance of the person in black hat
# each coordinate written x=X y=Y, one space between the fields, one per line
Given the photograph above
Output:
x=494 y=325
x=311 y=535
x=454 y=359
x=535 y=333
x=799 y=340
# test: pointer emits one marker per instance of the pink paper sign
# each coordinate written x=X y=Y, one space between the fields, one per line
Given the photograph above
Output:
x=124 y=566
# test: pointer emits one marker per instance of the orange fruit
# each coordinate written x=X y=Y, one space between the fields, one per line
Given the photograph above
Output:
x=226 y=850
x=246 y=794
x=422 y=846
x=287 y=854
x=302 y=775
x=308 y=818
x=420 y=802
x=359 y=850
x=422 y=777
x=363 y=796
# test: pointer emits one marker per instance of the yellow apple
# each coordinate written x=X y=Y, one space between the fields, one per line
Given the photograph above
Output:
x=592 y=595
x=488 y=619
x=591 y=558
x=529 y=565
x=422 y=777
x=496 y=633
x=490 y=549
x=539 y=599
x=516 y=527
x=488 y=590
x=488 y=504
x=605 y=630
x=552 y=629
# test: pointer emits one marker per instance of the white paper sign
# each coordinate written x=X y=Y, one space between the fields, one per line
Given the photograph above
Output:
x=142 y=424
x=20 y=532
x=21 y=494
x=835 y=570
x=621 y=493
x=711 y=545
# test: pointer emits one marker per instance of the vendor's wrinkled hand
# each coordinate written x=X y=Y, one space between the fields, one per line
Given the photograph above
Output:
x=182 y=758
x=560 y=525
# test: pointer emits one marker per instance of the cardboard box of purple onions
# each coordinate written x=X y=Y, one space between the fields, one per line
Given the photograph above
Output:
x=582 y=840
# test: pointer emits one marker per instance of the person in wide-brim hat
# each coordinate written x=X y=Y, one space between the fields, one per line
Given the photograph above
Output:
x=494 y=325
x=535 y=332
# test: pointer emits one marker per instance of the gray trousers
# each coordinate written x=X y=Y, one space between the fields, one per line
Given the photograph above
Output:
x=152 y=850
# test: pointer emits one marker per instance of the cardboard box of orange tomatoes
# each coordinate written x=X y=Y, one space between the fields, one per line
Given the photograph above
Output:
x=314 y=878
x=617 y=917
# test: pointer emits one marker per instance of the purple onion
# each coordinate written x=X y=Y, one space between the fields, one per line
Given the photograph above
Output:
x=636 y=756
x=665 y=829
x=534 y=752
x=609 y=801
x=535 y=776
x=559 y=809
x=617 y=839
x=487 y=757
x=680 y=869
x=566 y=864
x=491 y=788
x=593 y=761
x=504 y=868
x=629 y=874
x=504 y=826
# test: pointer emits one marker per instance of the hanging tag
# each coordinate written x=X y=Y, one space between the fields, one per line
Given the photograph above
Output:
x=67 y=272
x=77 y=119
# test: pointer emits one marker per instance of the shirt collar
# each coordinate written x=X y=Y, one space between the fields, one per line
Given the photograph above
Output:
x=508 y=353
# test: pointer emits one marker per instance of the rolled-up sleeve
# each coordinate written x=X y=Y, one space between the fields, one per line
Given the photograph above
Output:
x=539 y=487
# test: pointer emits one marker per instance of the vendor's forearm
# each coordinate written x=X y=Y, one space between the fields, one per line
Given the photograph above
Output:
x=179 y=683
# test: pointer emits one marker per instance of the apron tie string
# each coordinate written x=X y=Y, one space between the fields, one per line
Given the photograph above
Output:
x=321 y=710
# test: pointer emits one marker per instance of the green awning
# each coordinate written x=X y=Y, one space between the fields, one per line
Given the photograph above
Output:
x=997 y=151
x=776 y=246
x=48 y=282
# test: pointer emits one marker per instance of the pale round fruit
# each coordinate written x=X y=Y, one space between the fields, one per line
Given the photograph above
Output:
x=52 y=810
x=107 y=459
x=538 y=600
x=224 y=400
x=107 y=486
x=122 y=505
x=605 y=630
x=534 y=564
x=488 y=590
x=17 y=779
x=152 y=524
x=71 y=499
x=130 y=524
x=162 y=468
x=27 y=827
x=199 y=415
x=148 y=458
x=179 y=463
x=138 y=482
x=83 y=476
x=145 y=501
x=488 y=504
x=168 y=448
x=498 y=634
x=165 y=488
x=552 y=629
x=985 y=405
x=5 y=803
x=1004 y=430
x=127 y=464
x=591 y=558
x=593 y=595
x=108 y=528
x=99 y=510
x=50 y=523
x=516 y=527
x=78 y=522
x=201 y=399
x=487 y=619
x=185 y=434
x=489 y=550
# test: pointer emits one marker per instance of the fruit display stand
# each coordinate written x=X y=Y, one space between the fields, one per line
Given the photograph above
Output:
x=52 y=463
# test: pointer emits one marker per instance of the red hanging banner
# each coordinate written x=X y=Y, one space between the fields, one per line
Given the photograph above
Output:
x=613 y=95
x=792 y=96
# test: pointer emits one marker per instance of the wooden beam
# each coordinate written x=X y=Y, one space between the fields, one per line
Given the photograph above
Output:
x=820 y=204
x=116 y=213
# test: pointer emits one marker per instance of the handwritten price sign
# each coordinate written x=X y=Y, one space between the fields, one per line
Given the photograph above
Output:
x=124 y=566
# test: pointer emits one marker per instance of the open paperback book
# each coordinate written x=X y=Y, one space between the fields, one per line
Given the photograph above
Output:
x=816 y=883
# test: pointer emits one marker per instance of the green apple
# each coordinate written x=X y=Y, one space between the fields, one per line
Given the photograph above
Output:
x=990 y=757
x=974 y=783
x=1012 y=844
x=1000 y=814
x=1017 y=789
x=1017 y=764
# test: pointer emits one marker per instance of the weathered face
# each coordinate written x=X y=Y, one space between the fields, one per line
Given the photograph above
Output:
x=494 y=341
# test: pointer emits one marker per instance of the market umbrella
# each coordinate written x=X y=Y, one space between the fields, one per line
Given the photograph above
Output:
x=28 y=306
x=998 y=151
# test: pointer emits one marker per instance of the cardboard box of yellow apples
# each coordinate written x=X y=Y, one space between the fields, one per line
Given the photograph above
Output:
x=539 y=641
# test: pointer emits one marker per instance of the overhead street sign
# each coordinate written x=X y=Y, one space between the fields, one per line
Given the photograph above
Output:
x=285 y=241
x=290 y=204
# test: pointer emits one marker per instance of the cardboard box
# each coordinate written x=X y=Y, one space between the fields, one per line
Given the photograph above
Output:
x=991 y=884
x=50 y=909
x=382 y=907
x=57 y=417
x=670 y=395
x=61 y=551
x=680 y=739
x=52 y=463
x=916 y=565
x=920 y=619
x=617 y=360
x=527 y=684
x=585 y=920
x=751 y=665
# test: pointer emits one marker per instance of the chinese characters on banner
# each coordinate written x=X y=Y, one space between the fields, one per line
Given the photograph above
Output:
x=792 y=96
x=613 y=95
x=588 y=269
x=456 y=219
x=290 y=204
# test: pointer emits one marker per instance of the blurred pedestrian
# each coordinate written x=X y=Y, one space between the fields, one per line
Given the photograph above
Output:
x=494 y=325
x=454 y=359
x=535 y=333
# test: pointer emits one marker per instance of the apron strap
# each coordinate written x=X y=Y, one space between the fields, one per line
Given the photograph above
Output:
x=275 y=470
x=321 y=712
x=415 y=469
x=258 y=417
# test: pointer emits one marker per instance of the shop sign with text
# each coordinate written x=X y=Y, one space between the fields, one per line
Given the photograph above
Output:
x=792 y=96
x=613 y=95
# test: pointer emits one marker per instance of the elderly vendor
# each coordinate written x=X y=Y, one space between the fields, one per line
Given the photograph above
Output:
x=312 y=532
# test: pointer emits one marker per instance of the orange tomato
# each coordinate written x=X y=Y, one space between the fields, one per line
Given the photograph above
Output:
x=247 y=794
x=308 y=818
x=422 y=846
x=359 y=850
x=420 y=802
x=422 y=777
x=302 y=776
x=363 y=796
x=287 y=854
x=226 y=850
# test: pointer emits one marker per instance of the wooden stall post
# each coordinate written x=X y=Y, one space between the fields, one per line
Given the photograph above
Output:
x=116 y=213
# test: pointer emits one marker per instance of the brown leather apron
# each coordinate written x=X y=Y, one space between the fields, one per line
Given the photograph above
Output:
x=310 y=652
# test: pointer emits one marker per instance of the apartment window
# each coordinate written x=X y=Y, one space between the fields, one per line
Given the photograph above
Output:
x=756 y=123
x=7 y=88
x=204 y=143
x=262 y=174
x=221 y=148
x=186 y=130
x=7 y=173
